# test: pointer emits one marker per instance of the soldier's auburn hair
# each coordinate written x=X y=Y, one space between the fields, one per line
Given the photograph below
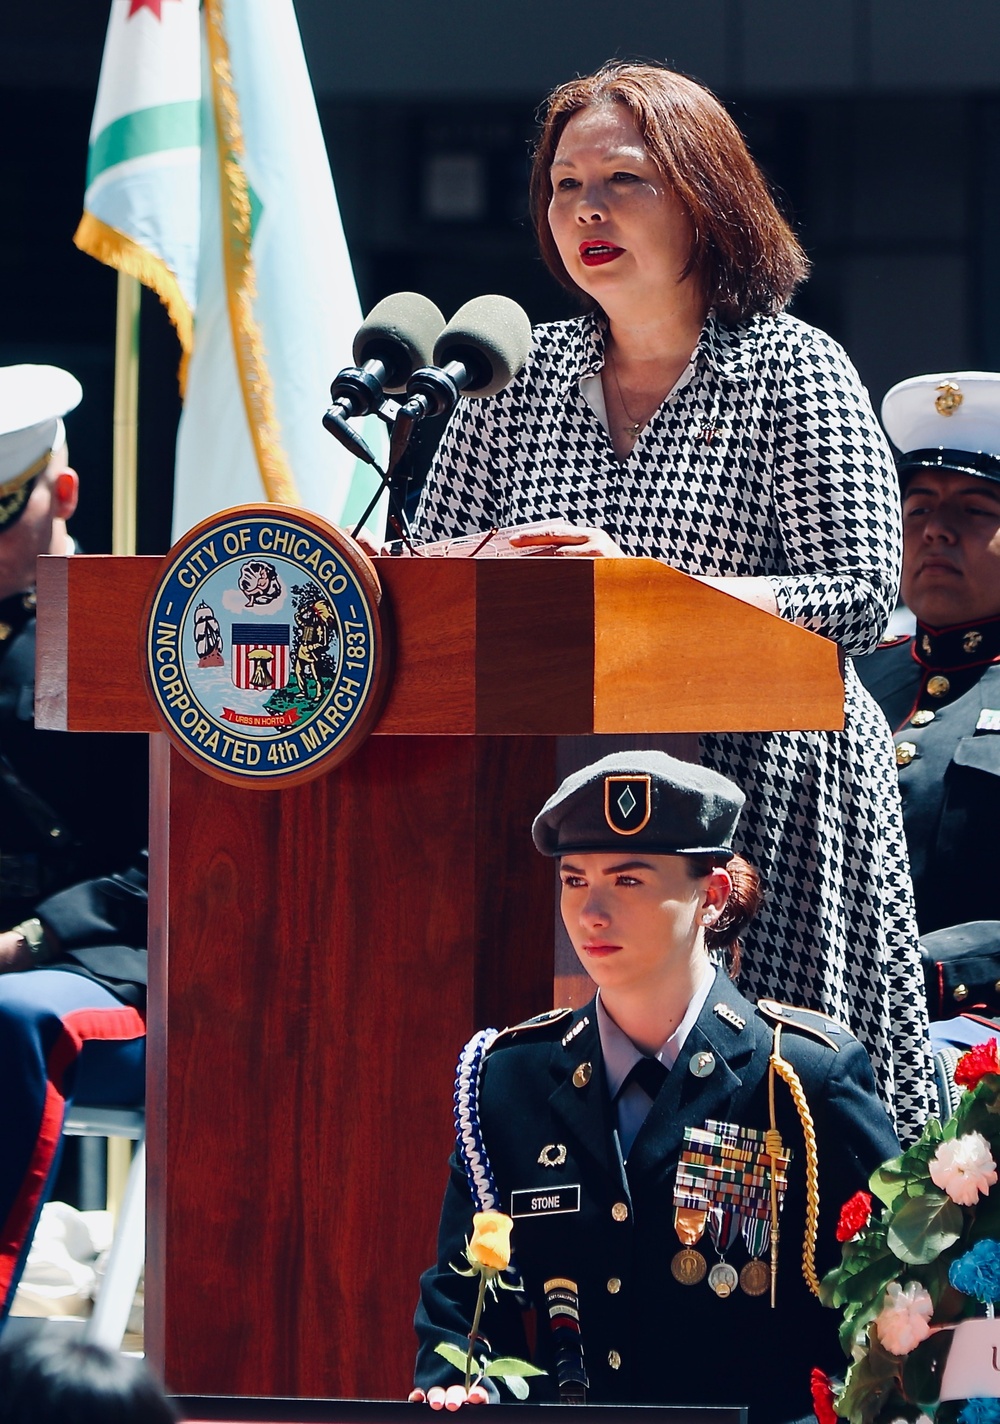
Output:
x=744 y=901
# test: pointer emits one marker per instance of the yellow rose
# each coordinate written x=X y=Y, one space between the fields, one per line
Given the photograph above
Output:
x=490 y=1244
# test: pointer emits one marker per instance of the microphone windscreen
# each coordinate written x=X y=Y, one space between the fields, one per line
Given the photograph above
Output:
x=400 y=332
x=492 y=337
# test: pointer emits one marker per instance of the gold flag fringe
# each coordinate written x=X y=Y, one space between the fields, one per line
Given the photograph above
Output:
x=241 y=287
x=114 y=249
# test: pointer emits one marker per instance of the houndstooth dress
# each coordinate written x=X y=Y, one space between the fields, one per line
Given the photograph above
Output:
x=815 y=508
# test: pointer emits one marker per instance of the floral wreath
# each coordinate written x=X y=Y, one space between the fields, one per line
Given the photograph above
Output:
x=920 y=1273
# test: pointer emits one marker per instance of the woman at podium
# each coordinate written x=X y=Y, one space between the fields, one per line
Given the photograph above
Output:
x=687 y=417
x=645 y=1148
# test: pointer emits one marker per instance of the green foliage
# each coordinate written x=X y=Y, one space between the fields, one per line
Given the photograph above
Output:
x=511 y=1371
x=509 y=1368
x=870 y=1381
x=924 y=1226
x=920 y=1233
x=923 y=1367
x=452 y=1353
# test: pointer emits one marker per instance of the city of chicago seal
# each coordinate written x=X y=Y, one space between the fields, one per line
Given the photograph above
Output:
x=265 y=651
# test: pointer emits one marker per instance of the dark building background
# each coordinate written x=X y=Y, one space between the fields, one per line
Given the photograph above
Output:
x=877 y=120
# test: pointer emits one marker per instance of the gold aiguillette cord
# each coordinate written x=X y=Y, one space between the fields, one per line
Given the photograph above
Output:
x=781 y=1068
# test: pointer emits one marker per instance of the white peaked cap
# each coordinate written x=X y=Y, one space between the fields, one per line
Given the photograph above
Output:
x=951 y=420
x=32 y=401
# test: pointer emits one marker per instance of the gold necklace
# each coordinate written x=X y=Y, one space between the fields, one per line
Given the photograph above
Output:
x=634 y=426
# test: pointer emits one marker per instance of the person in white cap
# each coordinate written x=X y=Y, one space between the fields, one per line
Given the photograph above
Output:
x=940 y=689
x=73 y=814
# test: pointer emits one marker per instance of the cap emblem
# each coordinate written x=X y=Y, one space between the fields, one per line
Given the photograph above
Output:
x=948 y=399
x=627 y=803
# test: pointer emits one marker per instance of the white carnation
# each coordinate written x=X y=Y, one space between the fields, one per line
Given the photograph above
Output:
x=905 y=1317
x=964 y=1168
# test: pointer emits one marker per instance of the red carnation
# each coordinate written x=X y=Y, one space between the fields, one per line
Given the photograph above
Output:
x=822 y=1393
x=854 y=1215
x=977 y=1063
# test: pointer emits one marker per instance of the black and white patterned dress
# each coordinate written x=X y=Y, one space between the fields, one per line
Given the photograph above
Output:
x=766 y=459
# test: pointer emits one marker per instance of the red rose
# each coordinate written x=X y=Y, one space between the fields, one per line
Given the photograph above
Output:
x=977 y=1063
x=854 y=1215
x=822 y=1394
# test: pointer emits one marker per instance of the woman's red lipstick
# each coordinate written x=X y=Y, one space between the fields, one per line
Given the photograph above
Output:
x=596 y=254
x=601 y=951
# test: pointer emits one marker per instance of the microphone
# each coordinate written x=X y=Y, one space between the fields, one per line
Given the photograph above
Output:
x=479 y=352
x=395 y=339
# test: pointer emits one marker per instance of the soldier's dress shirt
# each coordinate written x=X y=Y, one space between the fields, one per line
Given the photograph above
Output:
x=621 y=1055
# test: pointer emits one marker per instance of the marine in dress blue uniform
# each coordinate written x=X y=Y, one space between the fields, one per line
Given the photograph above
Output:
x=940 y=689
x=595 y=1236
x=73 y=815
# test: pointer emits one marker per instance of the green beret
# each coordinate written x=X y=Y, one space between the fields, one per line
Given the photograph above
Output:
x=642 y=801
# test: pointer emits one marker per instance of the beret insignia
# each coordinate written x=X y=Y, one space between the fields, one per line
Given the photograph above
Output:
x=628 y=803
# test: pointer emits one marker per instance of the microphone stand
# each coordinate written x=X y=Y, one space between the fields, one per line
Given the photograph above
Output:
x=401 y=423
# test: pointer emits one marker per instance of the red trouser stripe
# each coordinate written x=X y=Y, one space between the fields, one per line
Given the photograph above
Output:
x=78 y=1026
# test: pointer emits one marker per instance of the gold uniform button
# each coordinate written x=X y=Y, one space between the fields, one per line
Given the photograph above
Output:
x=905 y=752
x=614 y=1359
x=922 y=718
x=614 y=1285
x=960 y=992
x=582 y=1074
x=620 y=1211
x=937 y=686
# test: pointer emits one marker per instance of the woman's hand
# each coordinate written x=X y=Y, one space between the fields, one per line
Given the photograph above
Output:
x=14 y=953
x=367 y=543
x=570 y=541
x=451 y=1398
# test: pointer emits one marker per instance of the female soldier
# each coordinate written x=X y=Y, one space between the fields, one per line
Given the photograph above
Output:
x=628 y=1140
x=687 y=418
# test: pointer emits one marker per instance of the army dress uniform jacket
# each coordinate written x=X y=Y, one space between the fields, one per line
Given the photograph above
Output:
x=940 y=692
x=646 y=1338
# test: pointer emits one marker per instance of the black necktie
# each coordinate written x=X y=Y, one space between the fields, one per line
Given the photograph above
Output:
x=649 y=1073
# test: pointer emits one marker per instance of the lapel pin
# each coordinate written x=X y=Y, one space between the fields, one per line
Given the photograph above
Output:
x=553 y=1155
x=582 y=1074
x=702 y=1064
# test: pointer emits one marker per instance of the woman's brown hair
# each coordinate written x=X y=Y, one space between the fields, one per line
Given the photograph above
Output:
x=723 y=937
x=744 y=253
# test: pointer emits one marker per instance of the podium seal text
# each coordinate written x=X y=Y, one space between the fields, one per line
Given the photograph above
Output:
x=264 y=646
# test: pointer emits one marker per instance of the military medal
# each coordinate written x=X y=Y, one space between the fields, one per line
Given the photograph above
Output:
x=755 y=1277
x=724 y=1185
x=688 y=1267
x=723 y=1279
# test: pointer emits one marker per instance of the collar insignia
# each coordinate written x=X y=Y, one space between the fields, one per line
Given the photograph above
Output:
x=577 y=1028
x=729 y=1016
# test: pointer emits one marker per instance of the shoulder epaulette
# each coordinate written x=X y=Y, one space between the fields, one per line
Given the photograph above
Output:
x=811 y=1021
x=540 y=1021
x=893 y=642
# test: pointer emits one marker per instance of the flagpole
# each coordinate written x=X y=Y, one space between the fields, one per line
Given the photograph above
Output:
x=126 y=417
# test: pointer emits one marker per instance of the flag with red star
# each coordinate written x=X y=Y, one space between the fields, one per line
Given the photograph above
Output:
x=208 y=178
x=141 y=209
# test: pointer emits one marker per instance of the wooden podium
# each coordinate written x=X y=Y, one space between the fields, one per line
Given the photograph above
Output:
x=319 y=955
